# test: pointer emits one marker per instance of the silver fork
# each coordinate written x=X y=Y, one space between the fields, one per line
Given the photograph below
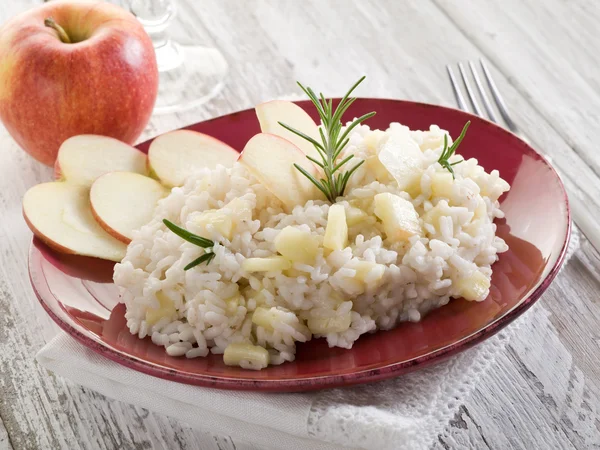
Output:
x=579 y=213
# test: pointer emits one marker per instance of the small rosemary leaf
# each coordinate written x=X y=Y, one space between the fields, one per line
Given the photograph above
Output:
x=357 y=122
x=341 y=109
x=447 y=152
x=340 y=149
x=324 y=103
x=348 y=175
x=445 y=149
x=324 y=139
x=207 y=257
x=341 y=144
x=460 y=138
x=320 y=164
x=451 y=170
x=355 y=167
x=312 y=179
x=311 y=95
x=186 y=235
x=339 y=182
x=341 y=163
x=315 y=100
x=352 y=88
x=302 y=135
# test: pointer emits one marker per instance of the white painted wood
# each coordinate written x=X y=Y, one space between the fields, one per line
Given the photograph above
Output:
x=544 y=392
x=4 y=439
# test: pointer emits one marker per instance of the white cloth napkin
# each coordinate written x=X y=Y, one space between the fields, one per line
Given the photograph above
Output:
x=407 y=412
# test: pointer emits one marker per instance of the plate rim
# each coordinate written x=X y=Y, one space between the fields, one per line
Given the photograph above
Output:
x=327 y=380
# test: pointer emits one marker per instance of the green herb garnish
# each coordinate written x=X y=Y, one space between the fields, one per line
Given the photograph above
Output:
x=194 y=239
x=447 y=152
x=332 y=143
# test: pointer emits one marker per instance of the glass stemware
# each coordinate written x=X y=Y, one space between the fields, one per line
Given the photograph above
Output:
x=189 y=75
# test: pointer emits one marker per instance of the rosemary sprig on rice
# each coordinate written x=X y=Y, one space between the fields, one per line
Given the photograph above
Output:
x=194 y=239
x=447 y=152
x=332 y=142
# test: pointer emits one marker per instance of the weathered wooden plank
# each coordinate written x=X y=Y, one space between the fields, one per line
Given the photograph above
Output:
x=4 y=439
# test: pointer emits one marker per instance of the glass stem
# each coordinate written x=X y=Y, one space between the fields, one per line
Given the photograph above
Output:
x=155 y=16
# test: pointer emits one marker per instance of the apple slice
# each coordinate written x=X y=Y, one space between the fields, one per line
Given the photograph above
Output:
x=81 y=159
x=271 y=159
x=60 y=215
x=174 y=156
x=271 y=113
x=124 y=201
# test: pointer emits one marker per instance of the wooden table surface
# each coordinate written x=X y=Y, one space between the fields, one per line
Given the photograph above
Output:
x=544 y=390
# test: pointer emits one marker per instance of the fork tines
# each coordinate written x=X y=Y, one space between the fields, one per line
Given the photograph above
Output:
x=489 y=109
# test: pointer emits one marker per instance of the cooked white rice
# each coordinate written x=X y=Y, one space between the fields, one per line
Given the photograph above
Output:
x=211 y=306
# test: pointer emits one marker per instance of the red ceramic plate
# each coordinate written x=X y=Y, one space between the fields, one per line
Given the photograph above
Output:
x=79 y=295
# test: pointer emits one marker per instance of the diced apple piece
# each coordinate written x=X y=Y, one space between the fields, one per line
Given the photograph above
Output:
x=373 y=139
x=264 y=317
x=399 y=218
x=441 y=184
x=166 y=309
x=175 y=155
x=271 y=159
x=124 y=201
x=355 y=216
x=403 y=159
x=214 y=222
x=297 y=245
x=81 y=159
x=336 y=233
x=241 y=208
x=336 y=324
x=474 y=287
x=376 y=167
x=269 y=264
x=271 y=113
x=247 y=356
x=367 y=271
x=59 y=214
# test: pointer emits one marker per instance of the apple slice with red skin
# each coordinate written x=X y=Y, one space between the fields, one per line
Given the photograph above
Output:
x=175 y=155
x=271 y=159
x=124 y=201
x=271 y=113
x=83 y=158
x=59 y=214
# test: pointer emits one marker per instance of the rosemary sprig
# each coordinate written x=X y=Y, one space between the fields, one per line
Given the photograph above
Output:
x=194 y=239
x=332 y=142
x=447 y=152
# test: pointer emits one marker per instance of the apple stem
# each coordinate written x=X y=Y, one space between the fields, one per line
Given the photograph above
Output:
x=62 y=34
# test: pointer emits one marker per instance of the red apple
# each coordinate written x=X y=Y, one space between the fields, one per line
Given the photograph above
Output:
x=75 y=67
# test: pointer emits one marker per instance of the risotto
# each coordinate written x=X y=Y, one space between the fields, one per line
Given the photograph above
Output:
x=388 y=251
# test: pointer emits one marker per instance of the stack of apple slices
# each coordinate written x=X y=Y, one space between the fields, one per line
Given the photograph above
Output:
x=104 y=191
